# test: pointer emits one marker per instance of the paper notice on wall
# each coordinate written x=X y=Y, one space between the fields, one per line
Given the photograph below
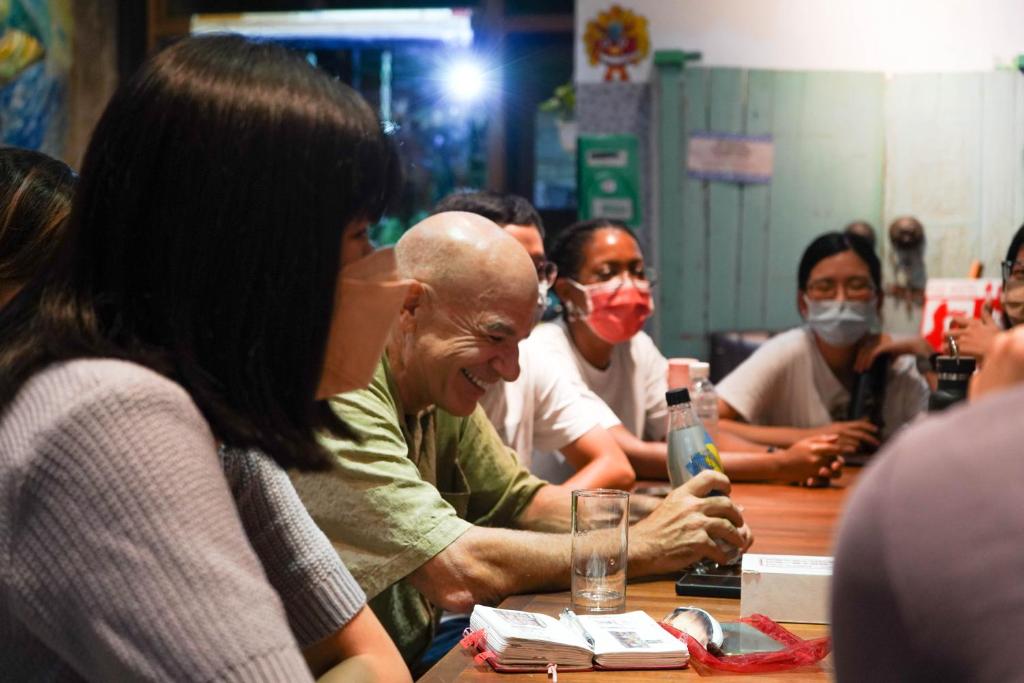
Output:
x=730 y=158
x=945 y=298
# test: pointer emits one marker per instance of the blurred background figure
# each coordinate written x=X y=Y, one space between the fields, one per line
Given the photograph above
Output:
x=904 y=301
x=865 y=230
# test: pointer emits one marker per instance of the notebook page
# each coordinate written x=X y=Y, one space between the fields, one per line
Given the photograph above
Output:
x=632 y=637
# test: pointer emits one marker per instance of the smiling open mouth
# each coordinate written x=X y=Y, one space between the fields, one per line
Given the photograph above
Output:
x=473 y=379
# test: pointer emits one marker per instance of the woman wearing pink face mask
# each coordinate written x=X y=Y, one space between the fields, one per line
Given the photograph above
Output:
x=605 y=290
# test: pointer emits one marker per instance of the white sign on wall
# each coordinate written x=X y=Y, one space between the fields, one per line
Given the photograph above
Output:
x=730 y=158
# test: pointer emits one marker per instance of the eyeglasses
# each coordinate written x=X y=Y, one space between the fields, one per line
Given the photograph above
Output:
x=610 y=272
x=1013 y=271
x=854 y=287
x=547 y=271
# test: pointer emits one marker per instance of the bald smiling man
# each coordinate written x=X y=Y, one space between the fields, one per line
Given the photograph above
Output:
x=426 y=506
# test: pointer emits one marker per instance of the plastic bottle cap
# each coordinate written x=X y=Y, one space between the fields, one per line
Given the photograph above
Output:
x=699 y=370
x=675 y=397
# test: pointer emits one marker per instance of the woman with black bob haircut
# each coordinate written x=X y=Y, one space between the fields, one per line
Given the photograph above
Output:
x=605 y=289
x=800 y=382
x=35 y=199
x=194 y=303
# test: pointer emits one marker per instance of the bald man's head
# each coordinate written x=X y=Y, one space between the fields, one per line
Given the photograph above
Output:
x=460 y=329
x=457 y=252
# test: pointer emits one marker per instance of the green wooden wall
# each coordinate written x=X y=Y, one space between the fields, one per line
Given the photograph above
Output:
x=728 y=253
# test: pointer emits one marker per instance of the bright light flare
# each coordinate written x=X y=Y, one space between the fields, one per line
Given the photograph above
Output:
x=466 y=81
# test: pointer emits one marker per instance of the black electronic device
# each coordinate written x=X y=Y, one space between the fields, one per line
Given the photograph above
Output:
x=716 y=582
x=869 y=392
x=866 y=401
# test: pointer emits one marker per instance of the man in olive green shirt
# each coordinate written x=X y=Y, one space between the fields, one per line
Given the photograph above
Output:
x=426 y=506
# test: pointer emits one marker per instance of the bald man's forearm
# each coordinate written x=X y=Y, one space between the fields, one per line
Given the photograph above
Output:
x=485 y=565
x=550 y=510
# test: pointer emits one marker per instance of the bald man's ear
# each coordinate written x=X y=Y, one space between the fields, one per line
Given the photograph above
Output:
x=415 y=298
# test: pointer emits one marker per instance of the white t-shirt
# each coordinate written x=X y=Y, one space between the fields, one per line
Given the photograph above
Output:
x=787 y=382
x=543 y=411
x=633 y=385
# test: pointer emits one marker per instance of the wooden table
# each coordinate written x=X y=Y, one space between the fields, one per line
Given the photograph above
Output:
x=785 y=519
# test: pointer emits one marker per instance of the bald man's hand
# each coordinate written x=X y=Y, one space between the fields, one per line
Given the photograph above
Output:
x=486 y=565
x=685 y=527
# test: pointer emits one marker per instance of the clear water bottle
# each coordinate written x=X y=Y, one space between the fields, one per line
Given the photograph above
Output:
x=691 y=450
x=705 y=398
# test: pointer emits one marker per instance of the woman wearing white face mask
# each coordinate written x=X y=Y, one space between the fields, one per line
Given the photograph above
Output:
x=606 y=291
x=800 y=382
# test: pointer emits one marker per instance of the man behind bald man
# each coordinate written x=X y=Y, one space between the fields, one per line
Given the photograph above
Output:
x=427 y=507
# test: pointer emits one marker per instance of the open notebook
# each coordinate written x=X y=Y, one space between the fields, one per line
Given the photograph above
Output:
x=514 y=640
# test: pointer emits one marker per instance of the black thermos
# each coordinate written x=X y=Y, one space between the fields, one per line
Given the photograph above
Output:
x=954 y=375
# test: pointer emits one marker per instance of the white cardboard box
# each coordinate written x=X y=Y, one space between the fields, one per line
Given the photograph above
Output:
x=790 y=588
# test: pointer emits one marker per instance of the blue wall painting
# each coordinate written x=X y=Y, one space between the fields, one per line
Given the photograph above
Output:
x=35 y=62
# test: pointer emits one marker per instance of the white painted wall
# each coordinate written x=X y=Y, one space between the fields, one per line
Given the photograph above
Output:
x=889 y=36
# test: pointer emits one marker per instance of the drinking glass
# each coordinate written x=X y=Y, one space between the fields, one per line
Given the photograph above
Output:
x=600 y=529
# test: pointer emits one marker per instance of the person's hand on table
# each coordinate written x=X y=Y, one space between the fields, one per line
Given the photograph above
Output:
x=974 y=336
x=884 y=344
x=1004 y=365
x=683 y=529
x=814 y=459
x=851 y=433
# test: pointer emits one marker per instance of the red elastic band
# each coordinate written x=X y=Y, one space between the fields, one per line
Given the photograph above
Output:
x=473 y=639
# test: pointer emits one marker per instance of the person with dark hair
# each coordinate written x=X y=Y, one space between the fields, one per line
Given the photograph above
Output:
x=194 y=306
x=544 y=410
x=907 y=604
x=506 y=210
x=975 y=335
x=799 y=383
x=426 y=505
x=862 y=229
x=35 y=199
x=605 y=290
